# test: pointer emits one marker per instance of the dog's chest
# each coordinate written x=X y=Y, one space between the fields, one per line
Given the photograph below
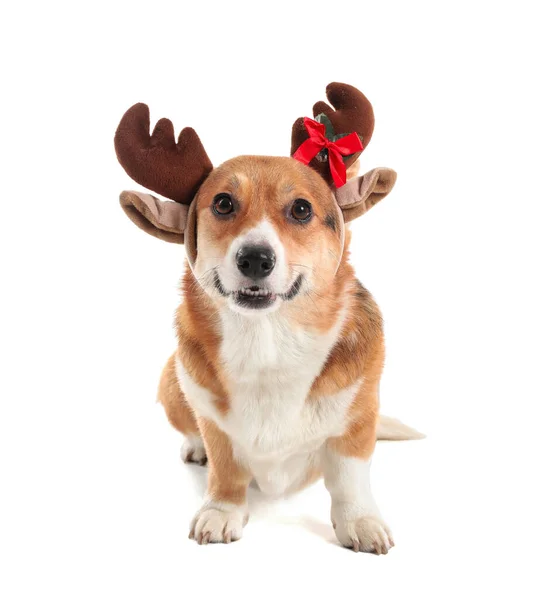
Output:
x=270 y=367
x=275 y=429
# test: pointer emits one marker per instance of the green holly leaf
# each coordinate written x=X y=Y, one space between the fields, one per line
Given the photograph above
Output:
x=330 y=135
x=329 y=129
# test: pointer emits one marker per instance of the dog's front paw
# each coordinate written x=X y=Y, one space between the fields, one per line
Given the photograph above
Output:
x=366 y=534
x=218 y=523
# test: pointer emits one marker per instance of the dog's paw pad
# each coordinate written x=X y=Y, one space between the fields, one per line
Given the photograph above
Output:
x=193 y=451
x=367 y=534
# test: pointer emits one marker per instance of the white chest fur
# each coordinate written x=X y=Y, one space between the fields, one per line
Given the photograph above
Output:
x=271 y=366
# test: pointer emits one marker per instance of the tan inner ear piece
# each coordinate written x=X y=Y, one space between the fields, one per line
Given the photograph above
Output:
x=360 y=194
x=164 y=220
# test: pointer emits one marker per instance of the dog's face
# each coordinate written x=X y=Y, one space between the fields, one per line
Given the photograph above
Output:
x=268 y=230
x=260 y=232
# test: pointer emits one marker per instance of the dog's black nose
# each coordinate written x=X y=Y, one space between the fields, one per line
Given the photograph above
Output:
x=256 y=261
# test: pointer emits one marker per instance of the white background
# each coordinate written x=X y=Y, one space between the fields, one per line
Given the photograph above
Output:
x=462 y=258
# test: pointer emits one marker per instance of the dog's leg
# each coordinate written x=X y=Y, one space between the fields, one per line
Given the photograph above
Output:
x=180 y=414
x=346 y=462
x=224 y=512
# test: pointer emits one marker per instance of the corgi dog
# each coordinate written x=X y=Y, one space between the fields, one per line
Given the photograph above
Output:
x=280 y=348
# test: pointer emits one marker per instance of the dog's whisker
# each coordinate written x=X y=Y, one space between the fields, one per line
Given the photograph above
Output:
x=300 y=265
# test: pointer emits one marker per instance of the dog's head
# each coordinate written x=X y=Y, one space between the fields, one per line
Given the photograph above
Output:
x=259 y=231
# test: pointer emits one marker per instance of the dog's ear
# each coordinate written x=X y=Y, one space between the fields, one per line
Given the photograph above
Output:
x=361 y=193
x=162 y=219
x=353 y=170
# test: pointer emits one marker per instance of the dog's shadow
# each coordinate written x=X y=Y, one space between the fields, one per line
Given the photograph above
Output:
x=261 y=505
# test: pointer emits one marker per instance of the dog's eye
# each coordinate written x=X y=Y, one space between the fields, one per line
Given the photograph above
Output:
x=222 y=205
x=301 y=210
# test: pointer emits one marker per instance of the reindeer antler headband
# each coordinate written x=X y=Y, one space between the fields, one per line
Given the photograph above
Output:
x=334 y=140
x=330 y=143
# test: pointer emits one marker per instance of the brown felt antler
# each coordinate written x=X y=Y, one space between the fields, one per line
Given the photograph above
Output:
x=174 y=170
x=353 y=113
x=178 y=169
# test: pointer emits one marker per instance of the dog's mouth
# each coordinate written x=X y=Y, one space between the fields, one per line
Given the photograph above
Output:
x=255 y=296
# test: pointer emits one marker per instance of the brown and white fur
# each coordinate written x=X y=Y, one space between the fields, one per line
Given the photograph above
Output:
x=288 y=393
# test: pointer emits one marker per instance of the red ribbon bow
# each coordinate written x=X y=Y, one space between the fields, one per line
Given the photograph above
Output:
x=349 y=144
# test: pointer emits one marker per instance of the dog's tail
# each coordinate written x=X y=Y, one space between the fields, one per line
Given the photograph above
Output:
x=392 y=429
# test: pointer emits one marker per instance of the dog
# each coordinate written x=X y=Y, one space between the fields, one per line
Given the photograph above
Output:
x=280 y=348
